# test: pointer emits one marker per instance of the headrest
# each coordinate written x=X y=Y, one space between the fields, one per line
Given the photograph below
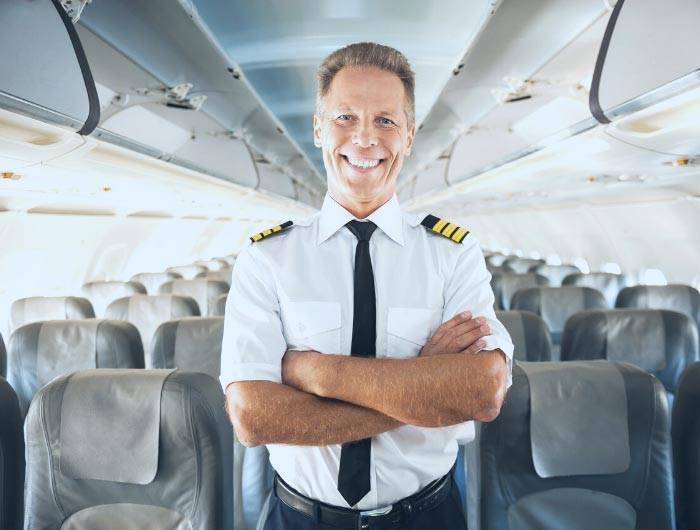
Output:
x=188 y=271
x=221 y=305
x=496 y=259
x=682 y=298
x=110 y=424
x=204 y=291
x=529 y=334
x=660 y=342
x=37 y=308
x=505 y=285
x=192 y=344
x=223 y=275
x=11 y=458
x=555 y=273
x=606 y=282
x=153 y=280
x=556 y=304
x=101 y=294
x=571 y=406
x=521 y=265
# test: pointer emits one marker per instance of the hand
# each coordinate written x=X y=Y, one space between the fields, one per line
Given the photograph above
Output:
x=460 y=334
x=296 y=369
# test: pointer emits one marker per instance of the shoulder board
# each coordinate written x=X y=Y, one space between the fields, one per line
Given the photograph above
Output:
x=271 y=231
x=445 y=228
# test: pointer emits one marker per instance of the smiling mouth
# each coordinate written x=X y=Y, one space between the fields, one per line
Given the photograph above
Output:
x=363 y=164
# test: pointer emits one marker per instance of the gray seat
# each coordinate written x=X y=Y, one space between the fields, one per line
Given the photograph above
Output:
x=3 y=358
x=203 y=290
x=577 y=445
x=496 y=259
x=685 y=434
x=101 y=294
x=213 y=264
x=556 y=304
x=506 y=284
x=606 y=282
x=187 y=272
x=221 y=305
x=529 y=334
x=661 y=342
x=555 y=273
x=223 y=275
x=129 y=449
x=521 y=265
x=153 y=280
x=11 y=459
x=682 y=298
x=37 y=308
x=42 y=351
x=192 y=344
x=147 y=312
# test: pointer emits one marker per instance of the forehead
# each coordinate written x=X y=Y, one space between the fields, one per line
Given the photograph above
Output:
x=367 y=87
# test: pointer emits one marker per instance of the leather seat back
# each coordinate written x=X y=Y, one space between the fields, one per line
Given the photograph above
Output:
x=221 y=305
x=204 y=291
x=41 y=351
x=153 y=280
x=38 y=308
x=520 y=265
x=555 y=273
x=129 y=449
x=11 y=459
x=192 y=344
x=556 y=304
x=505 y=285
x=101 y=294
x=661 y=342
x=147 y=312
x=223 y=275
x=3 y=358
x=577 y=445
x=682 y=298
x=606 y=282
x=529 y=334
x=187 y=272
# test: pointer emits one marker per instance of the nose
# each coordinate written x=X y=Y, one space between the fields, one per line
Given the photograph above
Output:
x=364 y=135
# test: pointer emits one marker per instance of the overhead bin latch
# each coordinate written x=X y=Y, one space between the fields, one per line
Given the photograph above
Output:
x=74 y=8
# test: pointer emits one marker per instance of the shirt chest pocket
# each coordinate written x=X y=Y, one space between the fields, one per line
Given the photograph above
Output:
x=409 y=328
x=312 y=326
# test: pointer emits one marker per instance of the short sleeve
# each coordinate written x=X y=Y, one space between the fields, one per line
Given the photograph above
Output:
x=253 y=344
x=469 y=288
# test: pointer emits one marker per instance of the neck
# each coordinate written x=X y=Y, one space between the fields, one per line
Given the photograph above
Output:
x=360 y=209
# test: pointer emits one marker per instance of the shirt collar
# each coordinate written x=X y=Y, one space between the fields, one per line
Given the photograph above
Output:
x=388 y=217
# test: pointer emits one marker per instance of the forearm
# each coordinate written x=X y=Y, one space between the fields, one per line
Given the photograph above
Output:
x=264 y=412
x=425 y=391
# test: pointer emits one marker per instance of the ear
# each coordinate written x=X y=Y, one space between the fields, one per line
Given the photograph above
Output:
x=409 y=139
x=317 y=131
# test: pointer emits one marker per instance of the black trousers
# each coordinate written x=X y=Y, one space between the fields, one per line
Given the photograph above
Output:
x=448 y=515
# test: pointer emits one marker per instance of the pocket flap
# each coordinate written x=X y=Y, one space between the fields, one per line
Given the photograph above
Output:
x=310 y=318
x=413 y=323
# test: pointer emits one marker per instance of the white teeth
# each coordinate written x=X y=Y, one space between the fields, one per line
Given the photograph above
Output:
x=364 y=163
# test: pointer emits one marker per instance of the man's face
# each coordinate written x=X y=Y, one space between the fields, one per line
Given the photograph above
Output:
x=364 y=134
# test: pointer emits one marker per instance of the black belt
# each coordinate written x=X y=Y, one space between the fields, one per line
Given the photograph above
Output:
x=426 y=499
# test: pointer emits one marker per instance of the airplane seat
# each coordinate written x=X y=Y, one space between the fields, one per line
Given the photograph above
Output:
x=682 y=298
x=606 y=282
x=555 y=273
x=147 y=312
x=153 y=280
x=529 y=333
x=221 y=305
x=38 y=308
x=11 y=459
x=130 y=449
x=556 y=304
x=3 y=358
x=685 y=433
x=188 y=272
x=496 y=259
x=506 y=284
x=191 y=343
x=658 y=341
x=203 y=290
x=101 y=294
x=41 y=351
x=577 y=445
x=521 y=265
x=223 y=275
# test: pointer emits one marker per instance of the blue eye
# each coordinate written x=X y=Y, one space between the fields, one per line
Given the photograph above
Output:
x=344 y=117
x=386 y=121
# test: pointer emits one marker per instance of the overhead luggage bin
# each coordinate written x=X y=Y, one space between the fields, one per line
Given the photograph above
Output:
x=147 y=312
x=188 y=272
x=529 y=333
x=521 y=265
x=42 y=351
x=101 y=294
x=682 y=298
x=577 y=445
x=38 y=308
x=11 y=459
x=555 y=273
x=129 y=449
x=606 y=282
x=506 y=284
x=153 y=280
x=204 y=291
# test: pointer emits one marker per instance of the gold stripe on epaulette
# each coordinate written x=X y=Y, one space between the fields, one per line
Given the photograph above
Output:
x=445 y=228
x=270 y=231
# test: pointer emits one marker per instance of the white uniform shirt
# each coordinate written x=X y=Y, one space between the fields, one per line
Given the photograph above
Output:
x=295 y=291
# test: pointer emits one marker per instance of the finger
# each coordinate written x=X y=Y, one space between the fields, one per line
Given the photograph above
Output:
x=470 y=338
x=470 y=325
x=452 y=323
x=476 y=347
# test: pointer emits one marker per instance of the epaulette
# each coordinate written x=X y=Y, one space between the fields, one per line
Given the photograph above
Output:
x=271 y=231
x=445 y=228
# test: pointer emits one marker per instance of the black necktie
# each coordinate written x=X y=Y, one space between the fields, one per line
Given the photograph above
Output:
x=353 y=475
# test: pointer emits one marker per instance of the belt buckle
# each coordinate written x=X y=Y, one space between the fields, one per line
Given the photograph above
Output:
x=365 y=516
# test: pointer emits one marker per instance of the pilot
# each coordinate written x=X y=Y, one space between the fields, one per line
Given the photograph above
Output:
x=361 y=342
